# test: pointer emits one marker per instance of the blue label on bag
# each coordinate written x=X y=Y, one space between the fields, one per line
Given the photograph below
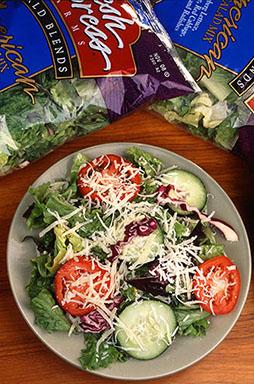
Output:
x=219 y=31
x=33 y=39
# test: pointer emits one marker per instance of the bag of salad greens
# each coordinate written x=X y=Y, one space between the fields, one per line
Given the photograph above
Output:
x=213 y=41
x=72 y=66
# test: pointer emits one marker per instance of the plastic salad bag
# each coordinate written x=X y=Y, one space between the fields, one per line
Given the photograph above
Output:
x=213 y=39
x=72 y=66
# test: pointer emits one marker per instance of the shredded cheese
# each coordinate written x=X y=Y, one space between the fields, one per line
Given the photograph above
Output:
x=177 y=260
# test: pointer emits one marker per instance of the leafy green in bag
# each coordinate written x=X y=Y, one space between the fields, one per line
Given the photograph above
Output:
x=212 y=39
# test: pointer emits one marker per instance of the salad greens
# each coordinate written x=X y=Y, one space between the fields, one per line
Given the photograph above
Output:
x=142 y=248
x=45 y=103
x=93 y=358
x=41 y=278
x=151 y=165
x=215 y=113
x=47 y=314
x=63 y=110
x=191 y=322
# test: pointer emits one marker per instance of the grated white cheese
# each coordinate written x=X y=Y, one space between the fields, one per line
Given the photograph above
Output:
x=176 y=259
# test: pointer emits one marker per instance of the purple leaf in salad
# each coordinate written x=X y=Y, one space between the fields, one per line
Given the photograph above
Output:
x=117 y=300
x=196 y=232
x=150 y=282
x=143 y=227
x=94 y=322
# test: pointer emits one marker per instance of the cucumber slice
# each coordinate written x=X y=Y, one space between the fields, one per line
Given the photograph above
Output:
x=190 y=184
x=143 y=249
x=145 y=329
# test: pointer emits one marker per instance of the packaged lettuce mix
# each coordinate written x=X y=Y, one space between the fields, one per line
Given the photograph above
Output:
x=70 y=67
x=213 y=39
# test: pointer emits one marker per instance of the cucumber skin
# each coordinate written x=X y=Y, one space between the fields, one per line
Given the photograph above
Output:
x=185 y=173
x=172 y=321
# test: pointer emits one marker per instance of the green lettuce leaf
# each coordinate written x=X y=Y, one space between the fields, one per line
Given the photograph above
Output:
x=60 y=248
x=98 y=252
x=72 y=190
x=149 y=163
x=40 y=193
x=226 y=132
x=95 y=217
x=35 y=218
x=180 y=230
x=61 y=244
x=148 y=187
x=93 y=359
x=211 y=250
x=47 y=315
x=56 y=203
x=77 y=162
x=46 y=243
x=191 y=322
x=46 y=201
x=129 y=293
x=40 y=276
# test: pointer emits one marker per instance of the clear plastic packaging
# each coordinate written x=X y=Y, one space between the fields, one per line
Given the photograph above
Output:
x=71 y=67
x=211 y=37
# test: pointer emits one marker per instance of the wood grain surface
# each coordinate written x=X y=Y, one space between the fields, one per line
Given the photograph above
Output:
x=24 y=359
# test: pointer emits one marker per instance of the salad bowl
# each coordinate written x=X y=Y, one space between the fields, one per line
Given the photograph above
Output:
x=185 y=350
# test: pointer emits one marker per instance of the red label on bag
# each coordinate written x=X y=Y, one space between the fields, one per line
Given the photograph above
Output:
x=250 y=103
x=103 y=32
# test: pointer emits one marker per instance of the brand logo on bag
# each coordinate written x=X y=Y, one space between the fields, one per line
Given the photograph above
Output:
x=244 y=80
x=220 y=40
x=103 y=32
x=11 y=57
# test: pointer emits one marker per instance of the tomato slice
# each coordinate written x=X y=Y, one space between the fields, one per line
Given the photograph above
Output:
x=109 y=178
x=80 y=282
x=217 y=285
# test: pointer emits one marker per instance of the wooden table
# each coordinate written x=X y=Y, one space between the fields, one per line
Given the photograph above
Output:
x=24 y=359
